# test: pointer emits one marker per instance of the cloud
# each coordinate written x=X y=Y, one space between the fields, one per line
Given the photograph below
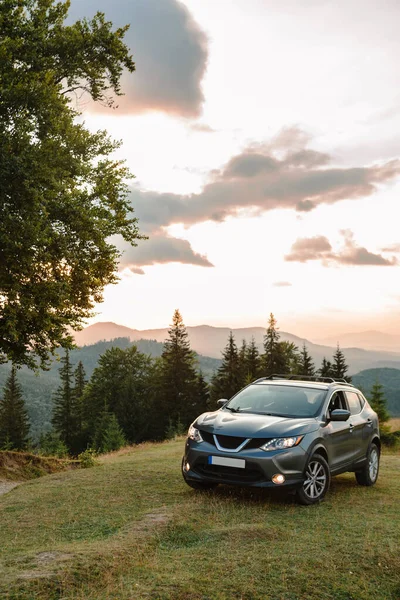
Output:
x=264 y=177
x=258 y=180
x=169 y=49
x=392 y=248
x=159 y=249
x=305 y=249
x=201 y=128
x=137 y=270
x=282 y=284
x=319 y=248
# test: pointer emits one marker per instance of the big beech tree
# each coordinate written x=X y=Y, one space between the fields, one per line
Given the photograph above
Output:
x=63 y=194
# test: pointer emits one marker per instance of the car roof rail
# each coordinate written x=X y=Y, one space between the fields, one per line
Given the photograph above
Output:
x=316 y=378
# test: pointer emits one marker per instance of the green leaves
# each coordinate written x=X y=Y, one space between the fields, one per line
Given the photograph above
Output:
x=62 y=193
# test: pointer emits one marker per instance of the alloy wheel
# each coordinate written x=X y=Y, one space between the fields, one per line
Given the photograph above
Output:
x=315 y=482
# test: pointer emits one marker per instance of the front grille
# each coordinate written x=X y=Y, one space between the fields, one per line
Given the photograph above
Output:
x=207 y=437
x=250 y=474
x=232 y=442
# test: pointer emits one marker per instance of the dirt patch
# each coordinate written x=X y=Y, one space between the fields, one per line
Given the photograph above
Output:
x=149 y=523
x=18 y=466
x=7 y=486
x=43 y=563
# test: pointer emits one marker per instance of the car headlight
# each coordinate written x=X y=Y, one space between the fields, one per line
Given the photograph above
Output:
x=282 y=443
x=194 y=434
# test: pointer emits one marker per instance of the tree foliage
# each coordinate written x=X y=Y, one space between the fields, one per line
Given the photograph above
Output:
x=177 y=378
x=62 y=193
x=14 y=423
x=229 y=378
x=339 y=366
x=252 y=366
x=108 y=435
x=122 y=385
x=306 y=365
x=378 y=402
x=325 y=369
x=275 y=357
x=66 y=412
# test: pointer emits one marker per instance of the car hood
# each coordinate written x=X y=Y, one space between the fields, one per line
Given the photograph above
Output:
x=222 y=422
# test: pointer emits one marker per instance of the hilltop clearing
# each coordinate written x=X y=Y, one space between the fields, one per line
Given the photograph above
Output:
x=130 y=528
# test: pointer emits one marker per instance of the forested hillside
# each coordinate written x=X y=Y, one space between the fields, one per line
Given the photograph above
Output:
x=390 y=381
x=38 y=389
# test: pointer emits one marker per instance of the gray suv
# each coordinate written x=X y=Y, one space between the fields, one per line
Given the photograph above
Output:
x=285 y=432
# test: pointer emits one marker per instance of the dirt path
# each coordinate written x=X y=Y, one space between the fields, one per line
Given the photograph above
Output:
x=7 y=486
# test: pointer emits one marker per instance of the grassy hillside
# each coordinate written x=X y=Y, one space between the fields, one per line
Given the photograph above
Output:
x=389 y=379
x=131 y=529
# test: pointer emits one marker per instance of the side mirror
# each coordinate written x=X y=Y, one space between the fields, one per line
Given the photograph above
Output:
x=339 y=414
x=222 y=401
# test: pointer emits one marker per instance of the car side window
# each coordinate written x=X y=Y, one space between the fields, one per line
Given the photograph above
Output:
x=354 y=402
x=337 y=401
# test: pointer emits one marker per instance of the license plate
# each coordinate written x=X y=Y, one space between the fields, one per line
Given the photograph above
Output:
x=227 y=462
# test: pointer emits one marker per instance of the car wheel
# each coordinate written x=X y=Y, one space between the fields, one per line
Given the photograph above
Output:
x=369 y=473
x=317 y=478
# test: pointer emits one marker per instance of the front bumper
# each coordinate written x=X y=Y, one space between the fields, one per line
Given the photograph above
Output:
x=260 y=466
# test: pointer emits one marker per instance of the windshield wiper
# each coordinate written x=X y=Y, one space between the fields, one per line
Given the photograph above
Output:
x=234 y=410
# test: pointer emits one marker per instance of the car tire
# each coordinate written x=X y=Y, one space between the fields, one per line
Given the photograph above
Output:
x=317 y=479
x=369 y=473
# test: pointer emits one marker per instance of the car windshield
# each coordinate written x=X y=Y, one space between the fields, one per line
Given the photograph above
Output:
x=278 y=400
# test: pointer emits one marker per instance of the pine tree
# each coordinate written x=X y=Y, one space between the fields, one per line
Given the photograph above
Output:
x=65 y=418
x=326 y=368
x=378 y=403
x=228 y=379
x=253 y=362
x=202 y=395
x=78 y=390
x=339 y=366
x=306 y=365
x=14 y=423
x=290 y=357
x=242 y=354
x=177 y=378
x=273 y=359
x=122 y=384
x=108 y=434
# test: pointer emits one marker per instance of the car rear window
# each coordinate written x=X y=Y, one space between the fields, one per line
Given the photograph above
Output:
x=354 y=402
x=279 y=400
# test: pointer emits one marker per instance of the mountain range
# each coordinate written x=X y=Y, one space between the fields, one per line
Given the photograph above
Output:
x=210 y=341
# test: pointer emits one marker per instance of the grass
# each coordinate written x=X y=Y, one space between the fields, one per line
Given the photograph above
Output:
x=394 y=424
x=130 y=529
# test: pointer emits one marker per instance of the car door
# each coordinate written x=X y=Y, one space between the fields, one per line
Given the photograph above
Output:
x=360 y=425
x=338 y=436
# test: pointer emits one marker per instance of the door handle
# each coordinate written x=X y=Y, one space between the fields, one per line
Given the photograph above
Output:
x=369 y=422
x=351 y=427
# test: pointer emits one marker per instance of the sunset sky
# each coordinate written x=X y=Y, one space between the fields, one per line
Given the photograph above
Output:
x=264 y=139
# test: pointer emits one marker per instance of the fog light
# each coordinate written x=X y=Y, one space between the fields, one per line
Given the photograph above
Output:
x=187 y=467
x=278 y=478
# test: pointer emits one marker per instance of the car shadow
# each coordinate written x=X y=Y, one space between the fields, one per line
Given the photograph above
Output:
x=340 y=485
